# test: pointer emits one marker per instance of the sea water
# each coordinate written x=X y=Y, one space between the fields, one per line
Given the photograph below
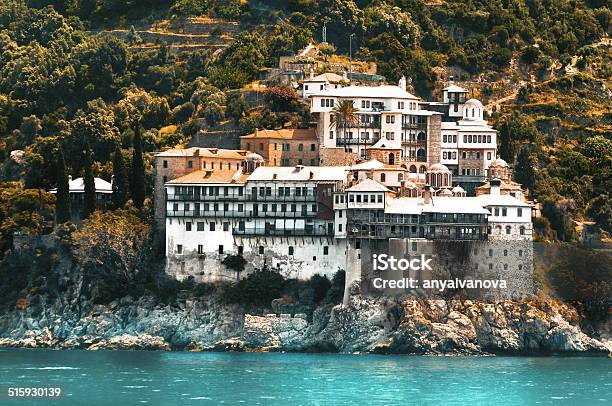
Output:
x=184 y=378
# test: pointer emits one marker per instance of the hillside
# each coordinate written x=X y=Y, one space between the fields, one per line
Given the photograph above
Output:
x=78 y=75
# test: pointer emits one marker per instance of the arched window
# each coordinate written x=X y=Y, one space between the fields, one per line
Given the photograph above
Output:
x=420 y=153
x=391 y=158
x=508 y=230
x=522 y=230
x=400 y=177
x=383 y=177
x=421 y=136
x=444 y=155
x=505 y=253
x=422 y=169
x=469 y=138
x=473 y=112
x=413 y=169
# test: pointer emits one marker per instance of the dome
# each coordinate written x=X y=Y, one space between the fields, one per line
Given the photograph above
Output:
x=458 y=189
x=253 y=157
x=438 y=168
x=446 y=192
x=473 y=103
x=498 y=162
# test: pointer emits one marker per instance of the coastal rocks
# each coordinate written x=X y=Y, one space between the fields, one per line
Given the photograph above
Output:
x=273 y=333
x=364 y=325
x=127 y=342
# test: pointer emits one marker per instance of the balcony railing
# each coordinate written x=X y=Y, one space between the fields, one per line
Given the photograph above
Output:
x=244 y=197
x=285 y=232
x=242 y=214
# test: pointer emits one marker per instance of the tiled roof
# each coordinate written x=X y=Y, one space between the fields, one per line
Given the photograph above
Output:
x=303 y=173
x=286 y=134
x=78 y=186
x=384 y=91
x=237 y=154
x=368 y=185
x=203 y=177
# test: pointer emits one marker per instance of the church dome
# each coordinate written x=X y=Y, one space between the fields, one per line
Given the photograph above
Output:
x=438 y=168
x=473 y=103
x=253 y=157
x=446 y=192
x=458 y=189
x=498 y=162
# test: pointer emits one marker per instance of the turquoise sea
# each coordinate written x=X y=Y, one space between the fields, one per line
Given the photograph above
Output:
x=182 y=378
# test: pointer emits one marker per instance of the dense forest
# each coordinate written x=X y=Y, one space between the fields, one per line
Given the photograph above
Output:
x=68 y=86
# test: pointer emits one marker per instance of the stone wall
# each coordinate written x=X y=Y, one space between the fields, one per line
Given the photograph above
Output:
x=434 y=140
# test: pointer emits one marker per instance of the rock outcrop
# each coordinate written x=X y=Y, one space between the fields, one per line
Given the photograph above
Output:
x=366 y=325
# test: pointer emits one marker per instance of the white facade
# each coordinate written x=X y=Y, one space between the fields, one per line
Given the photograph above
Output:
x=301 y=220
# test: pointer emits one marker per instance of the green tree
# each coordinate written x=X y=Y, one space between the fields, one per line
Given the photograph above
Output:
x=120 y=179
x=524 y=171
x=89 y=204
x=344 y=117
x=62 y=197
x=138 y=170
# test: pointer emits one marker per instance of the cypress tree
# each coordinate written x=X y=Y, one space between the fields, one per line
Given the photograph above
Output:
x=138 y=175
x=89 y=205
x=120 y=180
x=62 y=197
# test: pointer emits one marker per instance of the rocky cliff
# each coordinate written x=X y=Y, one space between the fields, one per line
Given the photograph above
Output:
x=365 y=325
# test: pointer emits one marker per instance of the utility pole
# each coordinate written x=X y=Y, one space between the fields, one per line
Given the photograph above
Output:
x=351 y=58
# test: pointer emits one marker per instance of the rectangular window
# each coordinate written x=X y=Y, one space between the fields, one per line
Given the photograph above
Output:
x=220 y=249
x=519 y=212
x=200 y=226
x=165 y=164
x=504 y=212
x=212 y=226
x=325 y=250
x=200 y=249
x=261 y=250
x=226 y=226
x=188 y=226
x=179 y=249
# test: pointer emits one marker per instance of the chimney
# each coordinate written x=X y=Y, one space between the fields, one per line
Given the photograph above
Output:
x=69 y=178
x=402 y=82
x=451 y=80
x=427 y=195
x=495 y=187
x=256 y=132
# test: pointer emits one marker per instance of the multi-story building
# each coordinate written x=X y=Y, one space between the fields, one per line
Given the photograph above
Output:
x=452 y=132
x=177 y=162
x=285 y=147
x=304 y=220
x=273 y=216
